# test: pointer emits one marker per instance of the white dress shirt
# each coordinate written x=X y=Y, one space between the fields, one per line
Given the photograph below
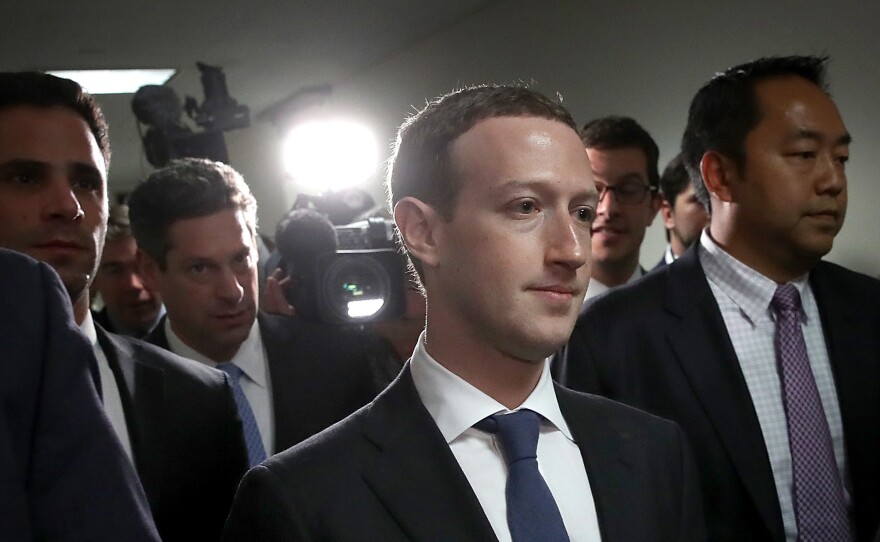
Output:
x=109 y=389
x=456 y=406
x=255 y=382
x=669 y=256
x=744 y=296
x=595 y=287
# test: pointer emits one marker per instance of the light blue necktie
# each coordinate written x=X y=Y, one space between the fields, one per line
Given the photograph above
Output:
x=252 y=438
x=532 y=514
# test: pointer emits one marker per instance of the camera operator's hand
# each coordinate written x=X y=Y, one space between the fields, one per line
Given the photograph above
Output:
x=274 y=301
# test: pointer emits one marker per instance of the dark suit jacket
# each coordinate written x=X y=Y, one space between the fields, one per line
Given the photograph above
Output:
x=386 y=473
x=185 y=434
x=319 y=374
x=661 y=345
x=661 y=264
x=63 y=473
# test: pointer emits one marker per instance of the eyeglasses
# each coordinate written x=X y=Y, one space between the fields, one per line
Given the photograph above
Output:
x=627 y=192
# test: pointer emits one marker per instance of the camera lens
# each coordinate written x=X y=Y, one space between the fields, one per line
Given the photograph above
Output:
x=356 y=288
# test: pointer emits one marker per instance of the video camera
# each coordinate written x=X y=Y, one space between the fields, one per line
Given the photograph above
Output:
x=359 y=279
x=167 y=137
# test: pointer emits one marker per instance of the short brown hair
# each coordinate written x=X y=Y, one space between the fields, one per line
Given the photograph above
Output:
x=39 y=89
x=420 y=164
x=185 y=188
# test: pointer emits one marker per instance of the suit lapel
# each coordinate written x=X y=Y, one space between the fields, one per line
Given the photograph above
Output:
x=142 y=385
x=288 y=403
x=607 y=464
x=851 y=337
x=705 y=353
x=415 y=474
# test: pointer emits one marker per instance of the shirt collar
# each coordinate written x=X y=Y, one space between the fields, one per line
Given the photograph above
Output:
x=250 y=357
x=751 y=291
x=669 y=256
x=595 y=287
x=88 y=327
x=456 y=405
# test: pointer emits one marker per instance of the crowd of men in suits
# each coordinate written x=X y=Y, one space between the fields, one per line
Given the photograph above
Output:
x=733 y=393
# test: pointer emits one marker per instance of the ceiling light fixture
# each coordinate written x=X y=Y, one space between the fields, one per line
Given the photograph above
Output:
x=116 y=81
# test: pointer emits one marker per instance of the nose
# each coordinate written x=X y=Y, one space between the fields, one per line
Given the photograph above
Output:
x=832 y=179
x=135 y=281
x=607 y=204
x=229 y=288
x=61 y=202
x=568 y=242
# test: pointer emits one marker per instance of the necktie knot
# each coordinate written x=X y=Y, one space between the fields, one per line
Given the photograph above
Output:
x=786 y=299
x=517 y=433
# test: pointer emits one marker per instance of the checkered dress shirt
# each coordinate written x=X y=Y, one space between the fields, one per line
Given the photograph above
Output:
x=744 y=296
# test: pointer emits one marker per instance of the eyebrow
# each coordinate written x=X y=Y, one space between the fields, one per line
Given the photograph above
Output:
x=538 y=186
x=19 y=163
x=79 y=168
x=805 y=133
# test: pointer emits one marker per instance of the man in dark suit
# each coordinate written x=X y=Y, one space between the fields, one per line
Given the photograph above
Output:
x=493 y=198
x=623 y=156
x=684 y=217
x=63 y=474
x=176 y=420
x=702 y=342
x=130 y=308
x=195 y=225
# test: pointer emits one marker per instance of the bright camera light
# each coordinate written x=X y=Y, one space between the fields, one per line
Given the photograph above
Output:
x=364 y=307
x=329 y=155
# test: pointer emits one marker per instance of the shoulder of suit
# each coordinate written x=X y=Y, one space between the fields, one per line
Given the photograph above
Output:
x=336 y=448
x=618 y=413
x=169 y=362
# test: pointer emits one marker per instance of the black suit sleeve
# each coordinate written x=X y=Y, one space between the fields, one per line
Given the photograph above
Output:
x=692 y=519
x=69 y=475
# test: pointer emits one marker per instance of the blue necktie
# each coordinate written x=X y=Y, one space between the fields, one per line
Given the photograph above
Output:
x=252 y=438
x=532 y=514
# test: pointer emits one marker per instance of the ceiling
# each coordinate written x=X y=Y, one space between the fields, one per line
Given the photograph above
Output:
x=268 y=49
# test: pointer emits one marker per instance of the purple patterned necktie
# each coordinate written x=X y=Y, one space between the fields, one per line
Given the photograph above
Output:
x=817 y=490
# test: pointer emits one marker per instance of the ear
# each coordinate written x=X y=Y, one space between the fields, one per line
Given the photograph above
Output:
x=148 y=268
x=417 y=223
x=666 y=214
x=718 y=171
x=656 y=204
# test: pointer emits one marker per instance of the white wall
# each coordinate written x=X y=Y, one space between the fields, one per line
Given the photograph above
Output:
x=640 y=58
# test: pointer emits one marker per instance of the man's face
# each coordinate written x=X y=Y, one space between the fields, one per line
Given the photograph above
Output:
x=129 y=302
x=513 y=263
x=51 y=169
x=684 y=219
x=620 y=228
x=789 y=200
x=209 y=285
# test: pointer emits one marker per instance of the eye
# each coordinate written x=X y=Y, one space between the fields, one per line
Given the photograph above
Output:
x=523 y=207
x=843 y=159
x=585 y=214
x=629 y=190
x=526 y=206
x=23 y=178
x=88 y=183
x=198 y=268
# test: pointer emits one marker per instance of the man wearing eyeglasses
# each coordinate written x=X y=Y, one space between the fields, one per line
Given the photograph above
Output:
x=624 y=160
